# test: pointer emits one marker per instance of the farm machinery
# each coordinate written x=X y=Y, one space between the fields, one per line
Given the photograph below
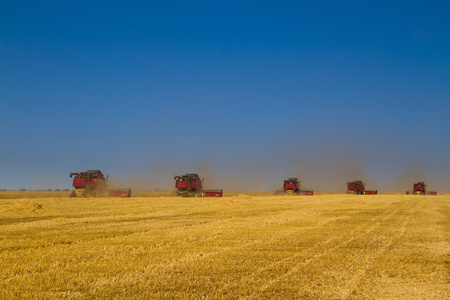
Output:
x=93 y=183
x=420 y=188
x=190 y=185
x=357 y=187
x=291 y=186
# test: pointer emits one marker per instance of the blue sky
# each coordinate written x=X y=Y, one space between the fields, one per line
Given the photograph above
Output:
x=246 y=93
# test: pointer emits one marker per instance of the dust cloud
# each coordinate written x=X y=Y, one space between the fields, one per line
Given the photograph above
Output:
x=322 y=174
x=321 y=167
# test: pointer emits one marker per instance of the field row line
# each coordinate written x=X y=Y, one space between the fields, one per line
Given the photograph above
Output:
x=275 y=216
x=386 y=215
x=262 y=269
x=357 y=277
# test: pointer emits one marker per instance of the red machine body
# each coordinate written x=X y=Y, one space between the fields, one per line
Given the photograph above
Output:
x=420 y=188
x=291 y=186
x=188 y=185
x=358 y=187
x=89 y=179
x=355 y=187
x=93 y=183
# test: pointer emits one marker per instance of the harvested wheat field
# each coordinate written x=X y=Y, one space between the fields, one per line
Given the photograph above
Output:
x=329 y=246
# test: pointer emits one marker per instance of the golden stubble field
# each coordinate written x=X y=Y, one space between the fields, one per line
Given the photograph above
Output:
x=329 y=246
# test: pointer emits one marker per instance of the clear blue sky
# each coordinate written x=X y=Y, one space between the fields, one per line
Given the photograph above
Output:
x=246 y=93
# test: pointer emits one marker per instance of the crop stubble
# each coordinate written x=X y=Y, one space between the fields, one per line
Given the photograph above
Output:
x=322 y=246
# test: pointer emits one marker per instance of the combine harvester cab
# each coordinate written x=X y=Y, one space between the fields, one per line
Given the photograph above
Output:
x=190 y=185
x=93 y=183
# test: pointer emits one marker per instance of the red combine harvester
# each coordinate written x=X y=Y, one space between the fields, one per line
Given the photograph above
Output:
x=93 y=183
x=190 y=185
x=420 y=188
x=357 y=187
x=292 y=186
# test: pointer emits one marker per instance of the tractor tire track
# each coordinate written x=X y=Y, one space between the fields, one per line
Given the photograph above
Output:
x=314 y=249
x=264 y=221
x=378 y=221
x=359 y=275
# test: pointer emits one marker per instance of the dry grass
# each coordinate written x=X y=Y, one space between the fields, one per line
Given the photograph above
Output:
x=243 y=246
x=33 y=194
